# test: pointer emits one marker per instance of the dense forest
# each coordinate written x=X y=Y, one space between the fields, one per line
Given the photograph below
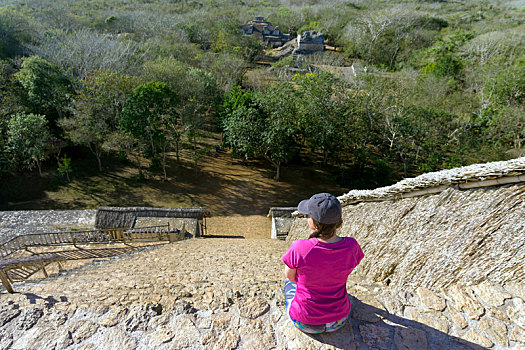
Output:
x=408 y=86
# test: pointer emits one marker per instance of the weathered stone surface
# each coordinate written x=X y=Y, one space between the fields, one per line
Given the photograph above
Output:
x=430 y=300
x=375 y=336
x=227 y=341
x=497 y=314
x=491 y=294
x=495 y=329
x=253 y=307
x=111 y=318
x=432 y=319
x=256 y=334
x=82 y=330
x=161 y=335
x=138 y=317
x=518 y=335
x=28 y=318
x=477 y=338
x=8 y=314
x=116 y=338
x=410 y=338
x=464 y=300
x=186 y=333
x=457 y=317
x=516 y=312
x=518 y=289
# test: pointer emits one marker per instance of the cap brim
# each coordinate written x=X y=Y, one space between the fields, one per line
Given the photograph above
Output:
x=303 y=207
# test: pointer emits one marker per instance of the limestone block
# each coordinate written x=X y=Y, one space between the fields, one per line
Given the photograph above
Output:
x=432 y=319
x=518 y=335
x=516 y=312
x=495 y=329
x=28 y=318
x=518 y=289
x=257 y=334
x=82 y=330
x=8 y=314
x=491 y=294
x=161 y=335
x=186 y=333
x=410 y=338
x=430 y=300
x=227 y=341
x=253 y=307
x=116 y=338
x=457 y=317
x=477 y=338
x=112 y=317
x=376 y=336
x=498 y=314
x=464 y=299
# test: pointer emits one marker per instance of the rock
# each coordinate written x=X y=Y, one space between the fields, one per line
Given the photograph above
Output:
x=457 y=317
x=116 y=338
x=476 y=338
x=55 y=318
x=464 y=300
x=28 y=318
x=495 y=329
x=498 y=314
x=64 y=340
x=517 y=289
x=138 y=318
x=227 y=341
x=518 y=335
x=430 y=300
x=111 y=318
x=375 y=336
x=432 y=319
x=257 y=334
x=491 y=294
x=8 y=314
x=82 y=330
x=6 y=340
x=516 y=312
x=161 y=335
x=410 y=338
x=186 y=333
x=253 y=307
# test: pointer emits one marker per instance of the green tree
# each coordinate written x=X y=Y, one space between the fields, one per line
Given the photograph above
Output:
x=97 y=109
x=277 y=140
x=28 y=140
x=49 y=91
x=147 y=115
x=64 y=166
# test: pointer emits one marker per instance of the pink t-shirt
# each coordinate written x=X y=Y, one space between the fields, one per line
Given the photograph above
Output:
x=322 y=272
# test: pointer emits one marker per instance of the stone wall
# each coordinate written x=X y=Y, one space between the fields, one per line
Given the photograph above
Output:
x=115 y=217
x=456 y=236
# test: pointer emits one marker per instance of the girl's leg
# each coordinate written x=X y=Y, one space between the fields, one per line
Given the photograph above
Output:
x=289 y=293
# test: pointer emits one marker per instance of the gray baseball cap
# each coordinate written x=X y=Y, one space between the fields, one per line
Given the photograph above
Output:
x=322 y=207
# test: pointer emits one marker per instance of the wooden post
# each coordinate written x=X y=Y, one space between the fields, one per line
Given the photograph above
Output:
x=44 y=270
x=5 y=281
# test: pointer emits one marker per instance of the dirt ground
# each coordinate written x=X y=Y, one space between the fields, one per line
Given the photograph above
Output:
x=223 y=184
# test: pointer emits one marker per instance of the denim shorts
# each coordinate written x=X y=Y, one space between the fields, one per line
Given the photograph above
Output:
x=289 y=294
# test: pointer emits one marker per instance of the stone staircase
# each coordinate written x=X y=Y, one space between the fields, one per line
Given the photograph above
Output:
x=226 y=293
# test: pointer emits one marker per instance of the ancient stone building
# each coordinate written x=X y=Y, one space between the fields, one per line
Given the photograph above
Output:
x=271 y=35
x=309 y=41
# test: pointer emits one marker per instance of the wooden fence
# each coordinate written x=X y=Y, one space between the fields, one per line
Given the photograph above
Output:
x=113 y=235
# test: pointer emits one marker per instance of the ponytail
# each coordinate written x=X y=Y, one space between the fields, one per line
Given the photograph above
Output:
x=325 y=231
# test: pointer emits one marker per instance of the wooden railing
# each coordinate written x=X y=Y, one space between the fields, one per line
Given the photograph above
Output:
x=113 y=235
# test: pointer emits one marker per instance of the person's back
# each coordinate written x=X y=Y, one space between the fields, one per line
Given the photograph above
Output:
x=317 y=269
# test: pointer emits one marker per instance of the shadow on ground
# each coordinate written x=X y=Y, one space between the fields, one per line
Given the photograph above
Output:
x=373 y=328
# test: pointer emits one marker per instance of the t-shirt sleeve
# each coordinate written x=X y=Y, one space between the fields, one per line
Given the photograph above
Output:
x=358 y=253
x=292 y=257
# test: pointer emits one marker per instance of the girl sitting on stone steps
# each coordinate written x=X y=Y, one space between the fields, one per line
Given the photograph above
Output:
x=317 y=269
